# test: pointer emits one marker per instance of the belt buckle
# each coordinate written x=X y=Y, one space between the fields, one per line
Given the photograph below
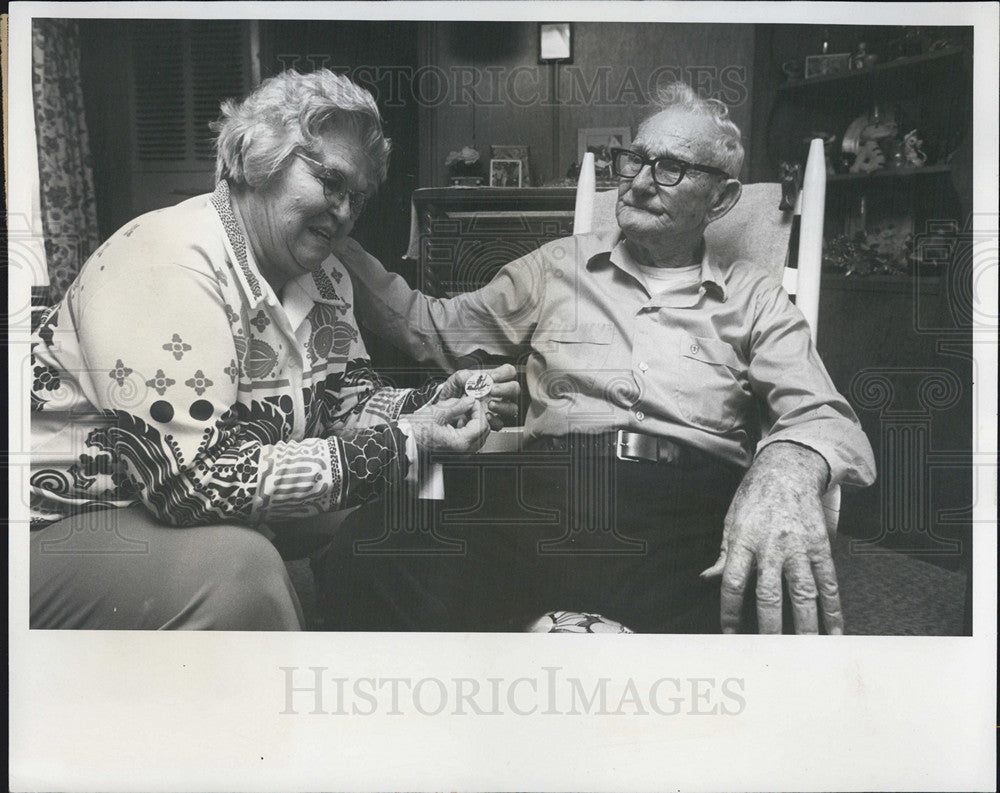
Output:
x=620 y=445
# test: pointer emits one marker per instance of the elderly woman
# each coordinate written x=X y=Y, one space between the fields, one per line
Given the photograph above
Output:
x=203 y=382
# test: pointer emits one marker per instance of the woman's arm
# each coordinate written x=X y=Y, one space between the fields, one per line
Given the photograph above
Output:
x=160 y=360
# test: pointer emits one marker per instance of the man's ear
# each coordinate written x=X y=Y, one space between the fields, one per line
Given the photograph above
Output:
x=725 y=200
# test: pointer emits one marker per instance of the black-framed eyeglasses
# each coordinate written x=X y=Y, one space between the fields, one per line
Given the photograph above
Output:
x=335 y=188
x=667 y=171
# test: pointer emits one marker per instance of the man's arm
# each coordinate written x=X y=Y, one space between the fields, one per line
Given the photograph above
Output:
x=801 y=403
x=496 y=319
x=776 y=518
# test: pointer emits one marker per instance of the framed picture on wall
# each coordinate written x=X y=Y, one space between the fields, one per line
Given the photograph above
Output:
x=505 y=173
x=555 y=42
x=513 y=152
x=599 y=141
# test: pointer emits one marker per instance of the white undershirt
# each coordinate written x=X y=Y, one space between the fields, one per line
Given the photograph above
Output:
x=668 y=279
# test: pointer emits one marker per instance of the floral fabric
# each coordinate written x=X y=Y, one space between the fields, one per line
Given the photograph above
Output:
x=170 y=374
x=69 y=214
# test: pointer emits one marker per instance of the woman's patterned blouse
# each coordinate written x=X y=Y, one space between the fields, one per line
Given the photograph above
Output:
x=171 y=375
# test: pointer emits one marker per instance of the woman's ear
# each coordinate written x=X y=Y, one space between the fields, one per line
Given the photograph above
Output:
x=729 y=193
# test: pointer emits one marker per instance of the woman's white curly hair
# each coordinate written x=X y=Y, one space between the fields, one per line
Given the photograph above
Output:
x=256 y=136
x=727 y=148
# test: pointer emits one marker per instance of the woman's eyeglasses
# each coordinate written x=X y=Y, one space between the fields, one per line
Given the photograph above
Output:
x=335 y=186
x=667 y=171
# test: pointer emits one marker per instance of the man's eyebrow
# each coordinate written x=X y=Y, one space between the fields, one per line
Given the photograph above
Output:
x=644 y=150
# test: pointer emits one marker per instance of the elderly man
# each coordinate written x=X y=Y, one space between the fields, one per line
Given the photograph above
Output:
x=644 y=349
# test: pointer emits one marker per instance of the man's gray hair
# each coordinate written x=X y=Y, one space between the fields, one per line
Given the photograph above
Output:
x=256 y=136
x=727 y=148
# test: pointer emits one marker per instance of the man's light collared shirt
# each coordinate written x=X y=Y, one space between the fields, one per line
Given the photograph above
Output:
x=708 y=363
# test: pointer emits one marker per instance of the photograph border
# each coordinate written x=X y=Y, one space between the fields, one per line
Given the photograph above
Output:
x=92 y=710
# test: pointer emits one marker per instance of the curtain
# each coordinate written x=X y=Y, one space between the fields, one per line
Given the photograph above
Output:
x=68 y=199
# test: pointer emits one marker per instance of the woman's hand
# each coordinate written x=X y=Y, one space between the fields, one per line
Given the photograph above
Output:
x=453 y=425
x=501 y=402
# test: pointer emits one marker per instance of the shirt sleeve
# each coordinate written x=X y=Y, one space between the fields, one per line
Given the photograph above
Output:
x=496 y=319
x=360 y=397
x=802 y=404
x=160 y=362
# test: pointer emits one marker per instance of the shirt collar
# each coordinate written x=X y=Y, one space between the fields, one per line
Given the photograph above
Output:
x=299 y=295
x=305 y=291
x=250 y=280
x=620 y=256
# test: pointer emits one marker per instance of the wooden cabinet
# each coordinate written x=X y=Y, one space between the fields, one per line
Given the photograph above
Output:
x=463 y=236
x=466 y=234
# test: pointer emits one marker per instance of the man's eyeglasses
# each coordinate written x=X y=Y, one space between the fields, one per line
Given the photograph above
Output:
x=667 y=171
x=335 y=186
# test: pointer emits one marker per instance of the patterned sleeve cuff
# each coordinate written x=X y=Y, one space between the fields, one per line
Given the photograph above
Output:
x=418 y=397
x=372 y=459
x=385 y=405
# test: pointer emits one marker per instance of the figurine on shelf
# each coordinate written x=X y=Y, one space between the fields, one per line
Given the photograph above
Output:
x=893 y=149
x=862 y=59
x=868 y=137
x=788 y=174
x=913 y=151
x=869 y=158
x=793 y=70
x=914 y=42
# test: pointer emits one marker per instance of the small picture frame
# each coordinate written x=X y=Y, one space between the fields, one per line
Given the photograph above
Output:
x=827 y=65
x=505 y=173
x=514 y=152
x=555 y=42
x=600 y=141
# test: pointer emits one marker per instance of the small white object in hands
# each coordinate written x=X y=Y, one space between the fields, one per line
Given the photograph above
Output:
x=479 y=385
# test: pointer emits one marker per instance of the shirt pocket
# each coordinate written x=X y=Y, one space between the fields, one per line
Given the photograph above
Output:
x=712 y=389
x=579 y=353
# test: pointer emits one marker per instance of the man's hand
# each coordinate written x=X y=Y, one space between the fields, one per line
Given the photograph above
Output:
x=501 y=403
x=350 y=252
x=454 y=425
x=776 y=521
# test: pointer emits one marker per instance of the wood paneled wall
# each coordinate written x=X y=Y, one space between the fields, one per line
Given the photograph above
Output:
x=497 y=93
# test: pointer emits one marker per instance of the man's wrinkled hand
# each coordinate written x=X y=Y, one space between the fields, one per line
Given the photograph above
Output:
x=776 y=523
x=453 y=425
x=500 y=403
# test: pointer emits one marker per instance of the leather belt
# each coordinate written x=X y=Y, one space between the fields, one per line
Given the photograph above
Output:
x=631 y=447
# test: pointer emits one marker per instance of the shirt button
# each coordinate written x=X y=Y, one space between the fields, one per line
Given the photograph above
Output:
x=694 y=349
x=640 y=415
x=643 y=366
